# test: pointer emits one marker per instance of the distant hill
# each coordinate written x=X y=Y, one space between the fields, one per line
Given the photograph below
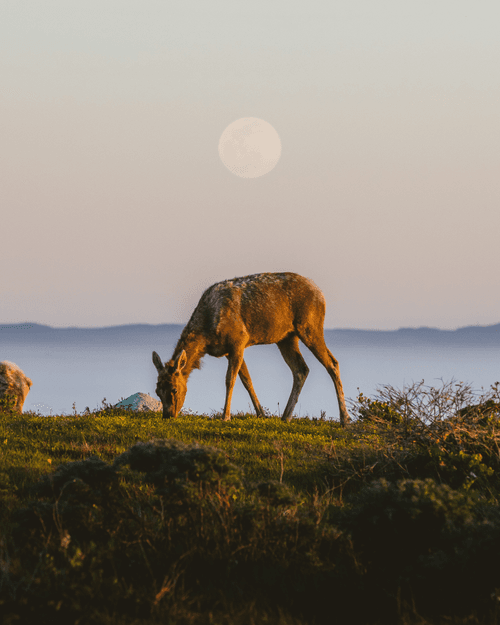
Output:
x=473 y=336
x=132 y=327
x=132 y=333
x=470 y=336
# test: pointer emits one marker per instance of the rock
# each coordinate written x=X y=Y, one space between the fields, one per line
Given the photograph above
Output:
x=140 y=402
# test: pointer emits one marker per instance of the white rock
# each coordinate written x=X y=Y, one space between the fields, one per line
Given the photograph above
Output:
x=141 y=402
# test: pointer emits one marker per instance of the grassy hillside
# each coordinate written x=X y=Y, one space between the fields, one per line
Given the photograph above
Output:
x=116 y=517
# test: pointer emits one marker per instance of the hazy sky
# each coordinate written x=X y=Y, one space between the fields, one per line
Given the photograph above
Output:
x=115 y=207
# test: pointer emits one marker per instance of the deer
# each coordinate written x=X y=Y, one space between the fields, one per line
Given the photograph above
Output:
x=259 y=309
x=14 y=385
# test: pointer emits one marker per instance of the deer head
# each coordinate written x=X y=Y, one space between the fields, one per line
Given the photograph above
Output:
x=171 y=386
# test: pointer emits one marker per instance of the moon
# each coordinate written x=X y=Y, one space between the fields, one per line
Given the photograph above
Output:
x=250 y=147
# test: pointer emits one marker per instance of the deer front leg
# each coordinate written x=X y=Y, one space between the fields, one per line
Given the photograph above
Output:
x=233 y=367
x=247 y=383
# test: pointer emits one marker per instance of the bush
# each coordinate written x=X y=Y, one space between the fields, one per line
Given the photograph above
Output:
x=276 y=494
x=419 y=540
x=171 y=525
x=93 y=471
x=378 y=411
x=173 y=466
x=449 y=433
x=420 y=404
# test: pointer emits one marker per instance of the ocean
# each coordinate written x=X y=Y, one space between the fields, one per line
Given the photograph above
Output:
x=76 y=368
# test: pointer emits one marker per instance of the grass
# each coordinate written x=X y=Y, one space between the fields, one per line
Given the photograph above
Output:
x=268 y=449
x=117 y=517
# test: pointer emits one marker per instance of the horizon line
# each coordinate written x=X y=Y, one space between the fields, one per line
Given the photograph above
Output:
x=29 y=324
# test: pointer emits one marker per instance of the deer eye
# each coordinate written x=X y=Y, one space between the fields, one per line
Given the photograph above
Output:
x=174 y=391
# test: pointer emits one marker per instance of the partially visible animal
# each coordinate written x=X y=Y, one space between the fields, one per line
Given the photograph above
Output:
x=259 y=309
x=14 y=385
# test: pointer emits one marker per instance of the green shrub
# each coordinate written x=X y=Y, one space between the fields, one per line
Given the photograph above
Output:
x=93 y=471
x=161 y=527
x=418 y=539
x=276 y=494
x=378 y=411
x=173 y=466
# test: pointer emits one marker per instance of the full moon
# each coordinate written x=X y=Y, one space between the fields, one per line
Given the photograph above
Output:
x=250 y=147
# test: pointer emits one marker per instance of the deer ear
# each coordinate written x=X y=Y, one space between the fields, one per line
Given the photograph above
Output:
x=180 y=361
x=157 y=362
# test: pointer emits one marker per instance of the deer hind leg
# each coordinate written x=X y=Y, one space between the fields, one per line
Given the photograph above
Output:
x=235 y=361
x=318 y=347
x=289 y=348
x=247 y=383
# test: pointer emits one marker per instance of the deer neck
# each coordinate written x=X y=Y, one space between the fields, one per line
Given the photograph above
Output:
x=194 y=346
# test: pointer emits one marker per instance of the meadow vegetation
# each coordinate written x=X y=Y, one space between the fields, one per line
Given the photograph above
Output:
x=115 y=517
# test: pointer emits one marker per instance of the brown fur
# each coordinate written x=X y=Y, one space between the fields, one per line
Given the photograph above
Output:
x=260 y=309
x=14 y=385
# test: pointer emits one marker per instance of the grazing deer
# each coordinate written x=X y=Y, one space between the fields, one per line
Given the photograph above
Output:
x=260 y=309
x=14 y=385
